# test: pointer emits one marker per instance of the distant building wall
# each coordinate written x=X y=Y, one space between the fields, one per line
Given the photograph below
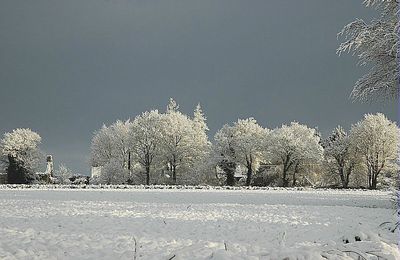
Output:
x=96 y=172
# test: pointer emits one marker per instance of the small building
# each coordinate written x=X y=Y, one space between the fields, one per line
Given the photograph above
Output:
x=95 y=172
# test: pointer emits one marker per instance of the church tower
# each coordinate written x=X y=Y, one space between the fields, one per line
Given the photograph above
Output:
x=50 y=166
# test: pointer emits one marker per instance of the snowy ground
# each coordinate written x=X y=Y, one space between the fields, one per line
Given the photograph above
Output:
x=195 y=224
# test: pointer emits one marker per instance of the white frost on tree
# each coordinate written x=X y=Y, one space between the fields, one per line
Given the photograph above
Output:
x=171 y=140
x=200 y=160
x=225 y=153
x=250 y=138
x=23 y=145
x=181 y=143
x=340 y=155
x=112 y=173
x=241 y=144
x=376 y=140
x=101 y=147
x=121 y=142
x=292 y=146
x=110 y=147
x=21 y=148
x=63 y=174
x=376 y=46
x=145 y=136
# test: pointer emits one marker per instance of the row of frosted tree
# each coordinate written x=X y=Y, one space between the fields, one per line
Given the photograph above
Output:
x=173 y=148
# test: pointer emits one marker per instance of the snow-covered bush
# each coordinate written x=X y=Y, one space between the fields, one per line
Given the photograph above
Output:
x=21 y=148
x=63 y=174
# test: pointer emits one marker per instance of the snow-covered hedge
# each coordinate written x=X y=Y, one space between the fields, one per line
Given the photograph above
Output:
x=166 y=187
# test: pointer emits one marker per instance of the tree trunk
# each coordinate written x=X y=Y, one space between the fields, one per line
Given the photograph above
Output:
x=249 y=173
x=345 y=181
x=342 y=177
x=229 y=169
x=347 y=177
x=296 y=170
x=374 y=181
x=147 y=174
x=174 y=170
x=129 y=161
x=285 y=181
x=230 y=178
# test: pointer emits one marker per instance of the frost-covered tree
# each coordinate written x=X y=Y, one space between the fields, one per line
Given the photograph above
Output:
x=249 y=140
x=145 y=138
x=241 y=144
x=112 y=173
x=63 y=174
x=102 y=147
x=340 y=155
x=225 y=153
x=293 y=146
x=376 y=46
x=199 y=120
x=21 y=147
x=199 y=161
x=179 y=143
x=172 y=139
x=376 y=140
x=121 y=142
x=111 y=145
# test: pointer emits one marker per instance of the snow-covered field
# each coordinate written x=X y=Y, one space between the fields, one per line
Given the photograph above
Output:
x=195 y=224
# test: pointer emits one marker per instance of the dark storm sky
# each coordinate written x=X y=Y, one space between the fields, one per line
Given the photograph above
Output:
x=67 y=67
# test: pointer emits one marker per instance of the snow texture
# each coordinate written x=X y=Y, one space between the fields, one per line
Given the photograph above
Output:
x=62 y=223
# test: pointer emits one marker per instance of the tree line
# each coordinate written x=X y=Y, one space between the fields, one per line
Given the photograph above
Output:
x=173 y=148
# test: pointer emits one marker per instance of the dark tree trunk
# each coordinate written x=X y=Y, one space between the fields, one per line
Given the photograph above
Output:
x=174 y=171
x=296 y=170
x=229 y=169
x=129 y=161
x=346 y=184
x=249 y=176
x=147 y=174
x=230 y=178
x=249 y=173
x=374 y=181
x=287 y=164
x=347 y=176
x=285 y=181
x=342 y=177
